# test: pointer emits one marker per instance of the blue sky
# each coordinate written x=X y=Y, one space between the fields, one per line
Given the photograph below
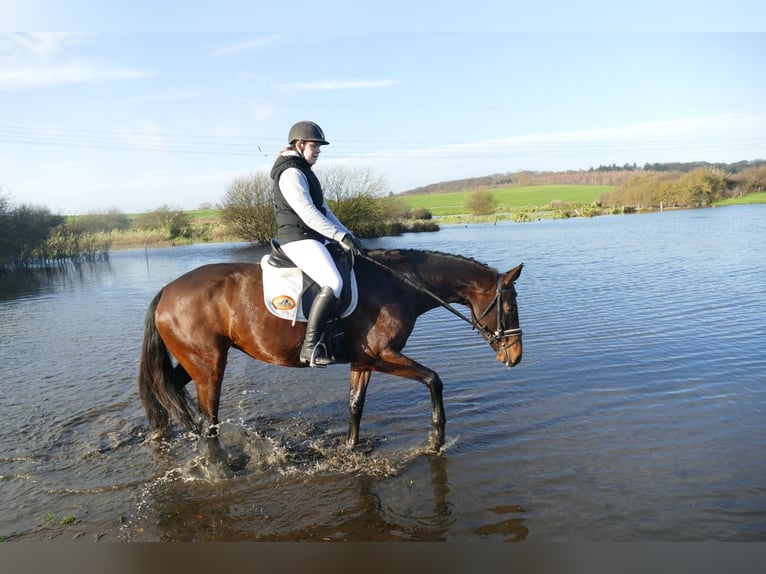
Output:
x=168 y=106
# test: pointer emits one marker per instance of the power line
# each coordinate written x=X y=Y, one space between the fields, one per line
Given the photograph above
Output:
x=269 y=147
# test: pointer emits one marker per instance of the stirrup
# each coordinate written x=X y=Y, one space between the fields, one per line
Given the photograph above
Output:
x=324 y=359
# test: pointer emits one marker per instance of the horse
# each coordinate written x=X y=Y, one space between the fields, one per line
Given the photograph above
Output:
x=195 y=319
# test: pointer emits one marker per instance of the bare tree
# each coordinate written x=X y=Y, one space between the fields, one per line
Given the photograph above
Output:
x=354 y=195
x=248 y=208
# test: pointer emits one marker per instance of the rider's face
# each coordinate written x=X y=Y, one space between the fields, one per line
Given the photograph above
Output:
x=310 y=151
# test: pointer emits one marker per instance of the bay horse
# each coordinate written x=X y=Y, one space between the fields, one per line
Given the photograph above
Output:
x=194 y=320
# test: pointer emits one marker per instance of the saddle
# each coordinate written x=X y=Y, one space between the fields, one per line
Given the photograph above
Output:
x=288 y=292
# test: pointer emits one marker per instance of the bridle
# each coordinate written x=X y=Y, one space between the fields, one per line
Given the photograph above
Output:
x=500 y=334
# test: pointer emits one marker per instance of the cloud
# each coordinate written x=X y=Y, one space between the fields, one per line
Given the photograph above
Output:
x=704 y=135
x=171 y=95
x=261 y=111
x=245 y=46
x=148 y=138
x=39 y=44
x=74 y=73
x=39 y=60
x=327 y=85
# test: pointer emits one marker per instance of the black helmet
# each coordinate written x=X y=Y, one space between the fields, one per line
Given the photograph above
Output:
x=308 y=132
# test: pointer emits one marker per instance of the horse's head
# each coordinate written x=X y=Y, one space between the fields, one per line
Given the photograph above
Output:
x=499 y=323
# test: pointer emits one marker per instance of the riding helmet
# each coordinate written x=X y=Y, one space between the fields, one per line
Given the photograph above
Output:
x=308 y=132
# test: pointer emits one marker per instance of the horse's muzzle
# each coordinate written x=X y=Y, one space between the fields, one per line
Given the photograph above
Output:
x=510 y=355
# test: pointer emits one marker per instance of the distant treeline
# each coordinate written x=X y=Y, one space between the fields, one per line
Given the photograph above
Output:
x=698 y=187
x=34 y=237
x=602 y=175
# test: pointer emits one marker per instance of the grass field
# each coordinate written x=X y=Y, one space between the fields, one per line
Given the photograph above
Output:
x=509 y=198
x=746 y=199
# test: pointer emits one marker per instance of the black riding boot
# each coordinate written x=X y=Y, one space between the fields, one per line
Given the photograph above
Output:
x=313 y=351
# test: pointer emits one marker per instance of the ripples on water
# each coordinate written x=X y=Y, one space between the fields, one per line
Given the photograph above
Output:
x=637 y=412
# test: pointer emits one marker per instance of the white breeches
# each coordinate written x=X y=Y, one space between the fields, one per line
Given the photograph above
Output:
x=315 y=261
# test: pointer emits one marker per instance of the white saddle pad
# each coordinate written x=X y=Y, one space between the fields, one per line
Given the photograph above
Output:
x=282 y=287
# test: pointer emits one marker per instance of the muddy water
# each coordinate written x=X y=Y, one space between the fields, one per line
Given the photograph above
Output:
x=637 y=412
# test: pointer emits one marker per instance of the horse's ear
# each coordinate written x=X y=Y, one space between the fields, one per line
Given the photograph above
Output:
x=512 y=275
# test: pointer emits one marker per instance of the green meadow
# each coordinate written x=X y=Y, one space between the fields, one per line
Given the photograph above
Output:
x=508 y=198
x=744 y=199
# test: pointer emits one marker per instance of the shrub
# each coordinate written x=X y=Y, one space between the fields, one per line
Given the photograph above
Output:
x=480 y=202
x=175 y=224
x=248 y=209
x=421 y=213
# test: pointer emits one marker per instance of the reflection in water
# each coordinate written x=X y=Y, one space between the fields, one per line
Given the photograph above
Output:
x=26 y=282
x=510 y=529
x=353 y=496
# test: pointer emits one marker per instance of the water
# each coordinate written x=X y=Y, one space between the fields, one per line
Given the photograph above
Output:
x=637 y=412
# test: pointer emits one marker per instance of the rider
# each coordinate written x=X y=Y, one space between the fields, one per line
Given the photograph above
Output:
x=305 y=224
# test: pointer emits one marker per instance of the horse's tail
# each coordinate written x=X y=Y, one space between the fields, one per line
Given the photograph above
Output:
x=160 y=385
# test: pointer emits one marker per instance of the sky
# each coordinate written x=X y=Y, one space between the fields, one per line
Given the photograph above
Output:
x=152 y=104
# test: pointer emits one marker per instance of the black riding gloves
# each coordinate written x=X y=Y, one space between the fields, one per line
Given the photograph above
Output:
x=351 y=243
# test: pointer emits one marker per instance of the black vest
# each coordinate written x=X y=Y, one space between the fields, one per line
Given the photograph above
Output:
x=290 y=227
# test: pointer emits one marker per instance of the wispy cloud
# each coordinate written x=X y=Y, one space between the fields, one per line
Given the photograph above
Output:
x=172 y=95
x=714 y=135
x=245 y=46
x=73 y=73
x=328 y=85
x=39 y=44
x=40 y=60
x=148 y=137
x=261 y=111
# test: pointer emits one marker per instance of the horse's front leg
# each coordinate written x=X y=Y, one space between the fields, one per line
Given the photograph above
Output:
x=394 y=363
x=357 y=393
x=438 y=417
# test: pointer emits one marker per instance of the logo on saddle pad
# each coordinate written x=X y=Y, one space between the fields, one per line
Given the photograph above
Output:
x=288 y=293
x=283 y=303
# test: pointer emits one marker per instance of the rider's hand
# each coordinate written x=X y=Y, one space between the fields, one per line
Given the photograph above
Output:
x=350 y=243
x=347 y=242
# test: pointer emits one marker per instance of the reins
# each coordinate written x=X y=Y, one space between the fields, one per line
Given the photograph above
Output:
x=475 y=323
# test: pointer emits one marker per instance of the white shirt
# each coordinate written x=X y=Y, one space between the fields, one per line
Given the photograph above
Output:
x=295 y=189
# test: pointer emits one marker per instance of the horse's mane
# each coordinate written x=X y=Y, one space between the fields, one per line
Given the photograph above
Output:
x=408 y=257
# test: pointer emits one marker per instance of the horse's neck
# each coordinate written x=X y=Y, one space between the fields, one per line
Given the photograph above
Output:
x=452 y=277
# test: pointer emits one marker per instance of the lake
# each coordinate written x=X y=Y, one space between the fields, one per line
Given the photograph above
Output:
x=638 y=412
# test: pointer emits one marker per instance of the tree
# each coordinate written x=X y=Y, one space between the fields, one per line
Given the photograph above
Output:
x=701 y=186
x=480 y=202
x=5 y=227
x=248 y=208
x=354 y=195
x=396 y=209
x=748 y=180
x=174 y=223
x=96 y=221
x=24 y=229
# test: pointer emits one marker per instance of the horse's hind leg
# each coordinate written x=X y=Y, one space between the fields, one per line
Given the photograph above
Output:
x=205 y=366
x=357 y=393
x=208 y=380
x=208 y=385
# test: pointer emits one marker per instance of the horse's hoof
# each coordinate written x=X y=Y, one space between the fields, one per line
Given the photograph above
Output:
x=435 y=446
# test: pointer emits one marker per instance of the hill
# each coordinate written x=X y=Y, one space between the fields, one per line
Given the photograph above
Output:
x=603 y=175
x=509 y=198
